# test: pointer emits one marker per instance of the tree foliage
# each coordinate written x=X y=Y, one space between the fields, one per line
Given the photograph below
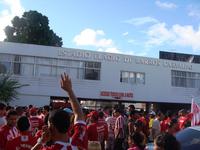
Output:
x=32 y=28
x=8 y=88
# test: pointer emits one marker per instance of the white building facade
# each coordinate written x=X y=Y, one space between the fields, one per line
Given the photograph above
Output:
x=97 y=75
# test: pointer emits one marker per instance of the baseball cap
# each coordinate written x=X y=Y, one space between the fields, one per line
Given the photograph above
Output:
x=68 y=110
x=152 y=113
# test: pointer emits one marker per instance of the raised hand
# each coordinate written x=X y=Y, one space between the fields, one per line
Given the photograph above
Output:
x=66 y=83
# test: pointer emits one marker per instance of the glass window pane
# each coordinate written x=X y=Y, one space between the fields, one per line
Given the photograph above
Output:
x=125 y=76
x=62 y=62
x=27 y=59
x=6 y=57
x=44 y=61
x=140 y=78
x=54 y=62
x=80 y=73
x=92 y=74
x=97 y=65
x=77 y=64
x=17 y=68
x=132 y=77
x=27 y=69
x=5 y=67
x=42 y=70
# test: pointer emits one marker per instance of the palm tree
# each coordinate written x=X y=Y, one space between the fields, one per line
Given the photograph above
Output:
x=8 y=88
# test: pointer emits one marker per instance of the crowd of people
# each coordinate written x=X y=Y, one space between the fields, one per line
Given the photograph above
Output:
x=31 y=128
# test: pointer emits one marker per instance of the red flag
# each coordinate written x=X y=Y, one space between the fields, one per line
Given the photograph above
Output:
x=195 y=110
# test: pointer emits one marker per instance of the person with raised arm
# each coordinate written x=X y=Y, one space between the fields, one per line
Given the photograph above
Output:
x=59 y=123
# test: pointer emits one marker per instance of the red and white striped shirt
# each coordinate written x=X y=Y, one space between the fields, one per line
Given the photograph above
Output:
x=36 y=123
x=120 y=127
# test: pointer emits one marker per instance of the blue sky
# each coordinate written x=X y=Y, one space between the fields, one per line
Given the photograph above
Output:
x=136 y=27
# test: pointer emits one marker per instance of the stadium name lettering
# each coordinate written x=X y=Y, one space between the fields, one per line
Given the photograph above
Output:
x=125 y=59
x=168 y=64
x=88 y=55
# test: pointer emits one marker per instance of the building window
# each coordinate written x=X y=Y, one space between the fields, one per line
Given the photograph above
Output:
x=23 y=65
x=185 y=79
x=17 y=65
x=5 y=67
x=89 y=70
x=132 y=77
x=42 y=66
x=92 y=70
x=5 y=63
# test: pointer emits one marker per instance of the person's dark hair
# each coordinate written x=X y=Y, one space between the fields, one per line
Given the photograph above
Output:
x=30 y=106
x=23 y=124
x=131 y=106
x=2 y=106
x=172 y=122
x=11 y=113
x=39 y=111
x=85 y=111
x=19 y=110
x=169 y=113
x=138 y=139
x=159 y=113
x=60 y=119
x=8 y=108
x=167 y=141
x=101 y=114
x=46 y=119
x=118 y=110
x=46 y=107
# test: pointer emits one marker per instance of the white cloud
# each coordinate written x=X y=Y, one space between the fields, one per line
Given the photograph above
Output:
x=187 y=36
x=12 y=8
x=158 y=34
x=90 y=37
x=115 y=50
x=110 y=50
x=125 y=33
x=193 y=11
x=165 y=5
x=141 y=21
x=177 y=35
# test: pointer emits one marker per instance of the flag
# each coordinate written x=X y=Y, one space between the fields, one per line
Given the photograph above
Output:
x=195 y=110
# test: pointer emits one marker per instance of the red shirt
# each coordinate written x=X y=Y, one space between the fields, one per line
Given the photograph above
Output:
x=7 y=134
x=36 y=123
x=102 y=130
x=97 y=132
x=92 y=132
x=182 y=121
x=23 y=142
x=80 y=137
x=165 y=124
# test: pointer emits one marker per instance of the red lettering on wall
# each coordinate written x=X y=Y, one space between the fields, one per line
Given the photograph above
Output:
x=116 y=94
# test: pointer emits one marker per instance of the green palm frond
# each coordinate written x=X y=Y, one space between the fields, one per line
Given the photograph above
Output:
x=8 y=88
